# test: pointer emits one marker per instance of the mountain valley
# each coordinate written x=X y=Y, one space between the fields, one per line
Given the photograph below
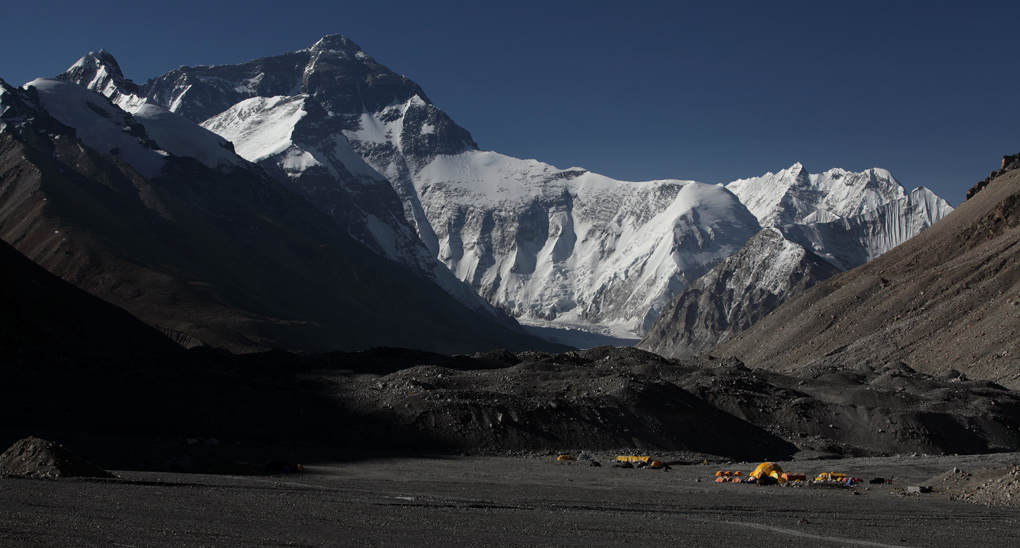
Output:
x=317 y=255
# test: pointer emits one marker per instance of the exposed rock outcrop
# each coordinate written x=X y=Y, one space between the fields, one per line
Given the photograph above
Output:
x=735 y=294
x=38 y=458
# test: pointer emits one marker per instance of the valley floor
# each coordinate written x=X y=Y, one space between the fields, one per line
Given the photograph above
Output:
x=368 y=500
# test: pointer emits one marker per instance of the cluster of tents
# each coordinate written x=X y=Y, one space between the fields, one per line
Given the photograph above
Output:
x=770 y=473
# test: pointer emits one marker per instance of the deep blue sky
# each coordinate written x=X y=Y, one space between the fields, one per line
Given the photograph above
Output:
x=712 y=91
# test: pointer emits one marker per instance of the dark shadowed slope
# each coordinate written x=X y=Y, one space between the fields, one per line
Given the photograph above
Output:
x=948 y=299
x=40 y=312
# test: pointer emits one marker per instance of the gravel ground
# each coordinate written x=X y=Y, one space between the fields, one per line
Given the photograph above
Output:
x=504 y=501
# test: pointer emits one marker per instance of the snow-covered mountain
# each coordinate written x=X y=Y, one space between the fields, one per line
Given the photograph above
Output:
x=848 y=218
x=546 y=245
x=553 y=247
x=303 y=147
x=573 y=247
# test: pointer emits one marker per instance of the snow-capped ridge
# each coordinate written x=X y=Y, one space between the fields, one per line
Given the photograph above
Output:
x=143 y=139
x=100 y=124
x=793 y=196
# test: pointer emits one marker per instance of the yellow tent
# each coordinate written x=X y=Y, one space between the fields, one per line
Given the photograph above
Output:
x=767 y=469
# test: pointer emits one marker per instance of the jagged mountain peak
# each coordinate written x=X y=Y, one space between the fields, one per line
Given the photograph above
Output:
x=337 y=43
x=99 y=71
x=793 y=195
x=98 y=59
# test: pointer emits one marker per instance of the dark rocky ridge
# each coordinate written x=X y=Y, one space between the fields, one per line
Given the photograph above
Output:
x=735 y=294
x=504 y=403
x=1009 y=162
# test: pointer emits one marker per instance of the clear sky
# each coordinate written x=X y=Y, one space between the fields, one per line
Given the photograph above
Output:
x=711 y=90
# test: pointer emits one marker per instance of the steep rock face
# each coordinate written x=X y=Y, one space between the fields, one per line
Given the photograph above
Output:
x=203 y=243
x=735 y=294
x=945 y=302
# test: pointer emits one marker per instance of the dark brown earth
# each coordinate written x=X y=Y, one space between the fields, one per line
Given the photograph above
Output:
x=946 y=302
